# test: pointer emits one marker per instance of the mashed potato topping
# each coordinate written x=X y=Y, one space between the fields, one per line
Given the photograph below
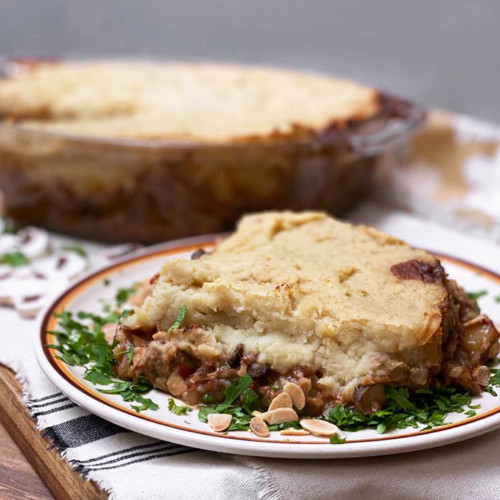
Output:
x=305 y=289
x=181 y=101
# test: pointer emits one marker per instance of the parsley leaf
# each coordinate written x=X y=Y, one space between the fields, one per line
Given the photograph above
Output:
x=14 y=259
x=96 y=376
x=9 y=229
x=251 y=401
x=208 y=399
x=236 y=389
x=130 y=354
x=334 y=439
x=494 y=381
x=401 y=397
x=489 y=389
x=125 y=313
x=177 y=410
x=145 y=404
x=122 y=295
x=477 y=295
x=497 y=299
x=79 y=249
x=180 y=317
x=132 y=392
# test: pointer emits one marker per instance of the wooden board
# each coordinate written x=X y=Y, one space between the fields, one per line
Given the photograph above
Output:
x=18 y=480
x=62 y=481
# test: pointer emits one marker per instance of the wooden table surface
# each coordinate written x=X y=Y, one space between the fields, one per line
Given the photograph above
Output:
x=29 y=467
x=18 y=479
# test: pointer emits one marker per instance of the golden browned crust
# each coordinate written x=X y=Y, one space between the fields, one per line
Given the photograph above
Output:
x=181 y=101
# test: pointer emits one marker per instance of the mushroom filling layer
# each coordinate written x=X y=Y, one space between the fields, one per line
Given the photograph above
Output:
x=182 y=363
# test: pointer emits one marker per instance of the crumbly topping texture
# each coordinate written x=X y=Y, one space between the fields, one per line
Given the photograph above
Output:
x=307 y=272
x=200 y=102
x=303 y=289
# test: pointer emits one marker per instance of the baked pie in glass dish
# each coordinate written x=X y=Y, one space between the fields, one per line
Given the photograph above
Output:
x=149 y=151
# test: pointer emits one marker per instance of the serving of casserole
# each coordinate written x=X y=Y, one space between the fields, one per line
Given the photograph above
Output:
x=339 y=310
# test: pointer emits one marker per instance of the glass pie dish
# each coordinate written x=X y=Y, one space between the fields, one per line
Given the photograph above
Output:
x=132 y=189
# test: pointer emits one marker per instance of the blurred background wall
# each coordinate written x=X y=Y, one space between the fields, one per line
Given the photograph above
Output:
x=440 y=52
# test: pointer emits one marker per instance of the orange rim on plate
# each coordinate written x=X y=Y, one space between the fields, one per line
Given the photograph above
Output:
x=49 y=322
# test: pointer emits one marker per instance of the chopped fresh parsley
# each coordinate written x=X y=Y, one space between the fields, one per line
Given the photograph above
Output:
x=495 y=377
x=251 y=401
x=178 y=410
x=81 y=342
x=426 y=406
x=14 y=259
x=79 y=249
x=337 y=440
x=130 y=354
x=208 y=399
x=145 y=403
x=111 y=316
x=494 y=381
x=132 y=392
x=489 y=389
x=122 y=295
x=236 y=389
x=97 y=376
x=178 y=321
x=477 y=295
x=125 y=313
x=9 y=229
x=497 y=299
x=240 y=401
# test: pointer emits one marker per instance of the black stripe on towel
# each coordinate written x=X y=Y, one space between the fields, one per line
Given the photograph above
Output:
x=126 y=456
x=127 y=450
x=53 y=410
x=56 y=395
x=43 y=404
x=80 y=431
x=176 y=451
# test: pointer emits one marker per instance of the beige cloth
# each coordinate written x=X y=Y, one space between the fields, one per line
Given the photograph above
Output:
x=460 y=471
x=453 y=176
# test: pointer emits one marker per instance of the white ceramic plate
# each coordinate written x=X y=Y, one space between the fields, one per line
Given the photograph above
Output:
x=188 y=430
